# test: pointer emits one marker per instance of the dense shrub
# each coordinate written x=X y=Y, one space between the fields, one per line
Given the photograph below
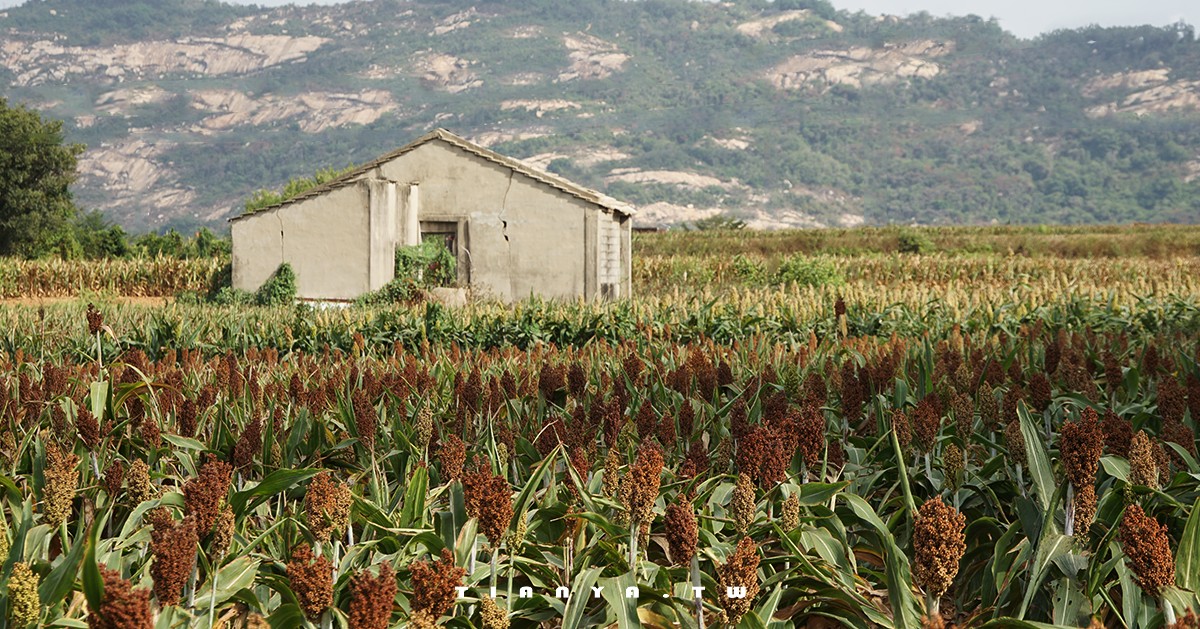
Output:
x=807 y=271
x=914 y=242
x=279 y=289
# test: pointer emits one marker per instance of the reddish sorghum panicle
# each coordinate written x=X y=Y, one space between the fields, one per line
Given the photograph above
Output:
x=433 y=585
x=312 y=581
x=248 y=444
x=644 y=478
x=939 y=544
x=366 y=420
x=682 y=531
x=453 y=456
x=372 y=599
x=204 y=494
x=1081 y=444
x=489 y=499
x=927 y=422
x=95 y=320
x=327 y=505
x=1148 y=550
x=122 y=607
x=1118 y=433
x=88 y=428
x=740 y=571
x=114 y=476
x=174 y=547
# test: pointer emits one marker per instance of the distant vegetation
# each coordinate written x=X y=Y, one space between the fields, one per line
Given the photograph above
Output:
x=295 y=187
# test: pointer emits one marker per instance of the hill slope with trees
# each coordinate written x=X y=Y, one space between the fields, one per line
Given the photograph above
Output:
x=785 y=113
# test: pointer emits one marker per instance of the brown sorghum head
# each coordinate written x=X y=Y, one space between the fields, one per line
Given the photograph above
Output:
x=489 y=498
x=327 y=505
x=1175 y=432
x=1081 y=444
x=312 y=581
x=433 y=585
x=187 y=418
x=1143 y=470
x=939 y=544
x=204 y=494
x=682 y=531
x=248 y=444
x=174 y=547
x=1148 y=550
x=1171 y=401
x=1015 y=442
x=927 y=423
x=1117 y=434
x=372 y=599
x=366 y=420
x=1187 y=621
x=122 y=607
x=95 y=320
x=1085 y=508
x=742 y=504
x=644 y=478
x=953 y=463
x=139 y=487
x=114 y=476
x=61 y=480
x=88 y=428
x=452 y=456
x=791 y=512
x=902 y=427
x=222 y=534
x=740 y=571
x=1039 y=392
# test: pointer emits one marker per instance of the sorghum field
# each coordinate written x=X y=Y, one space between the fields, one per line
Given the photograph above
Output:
x=994 y=427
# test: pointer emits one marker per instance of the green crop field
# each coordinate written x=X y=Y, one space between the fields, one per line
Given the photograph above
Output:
x=862 y=428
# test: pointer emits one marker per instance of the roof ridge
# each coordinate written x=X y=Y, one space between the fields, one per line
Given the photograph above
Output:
x=555 y=181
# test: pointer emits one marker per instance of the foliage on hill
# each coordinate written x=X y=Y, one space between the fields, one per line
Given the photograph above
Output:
x=96 y=22
x=992 y=129
x=294 y=188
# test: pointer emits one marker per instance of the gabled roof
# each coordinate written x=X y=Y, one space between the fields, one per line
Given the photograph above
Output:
x=554 y=181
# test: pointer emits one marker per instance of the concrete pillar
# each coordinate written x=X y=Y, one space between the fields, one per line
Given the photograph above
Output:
x=412 y=220
x=591 y=252
x=626 y=227
x=381 y=201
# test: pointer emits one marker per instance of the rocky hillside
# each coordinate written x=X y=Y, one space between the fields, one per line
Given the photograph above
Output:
x=784 y=113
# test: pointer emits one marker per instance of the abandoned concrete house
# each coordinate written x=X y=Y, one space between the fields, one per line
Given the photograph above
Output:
x=515 y=231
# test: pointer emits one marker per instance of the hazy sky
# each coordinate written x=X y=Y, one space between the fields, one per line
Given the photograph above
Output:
x=1026 y=18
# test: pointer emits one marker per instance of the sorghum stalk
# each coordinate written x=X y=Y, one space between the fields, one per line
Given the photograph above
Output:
x=634 y=527
x=696 y=584
x=1069 y=515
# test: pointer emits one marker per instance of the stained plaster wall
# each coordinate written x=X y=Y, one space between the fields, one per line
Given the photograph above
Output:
x=339 y=243
x=522 y=238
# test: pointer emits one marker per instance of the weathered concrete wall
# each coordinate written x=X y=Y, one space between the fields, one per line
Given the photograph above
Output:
x=523 y=238
x=324 y=238
x=518 y=237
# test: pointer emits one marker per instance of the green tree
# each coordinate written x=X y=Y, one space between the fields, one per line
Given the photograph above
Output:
x=36 y=170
